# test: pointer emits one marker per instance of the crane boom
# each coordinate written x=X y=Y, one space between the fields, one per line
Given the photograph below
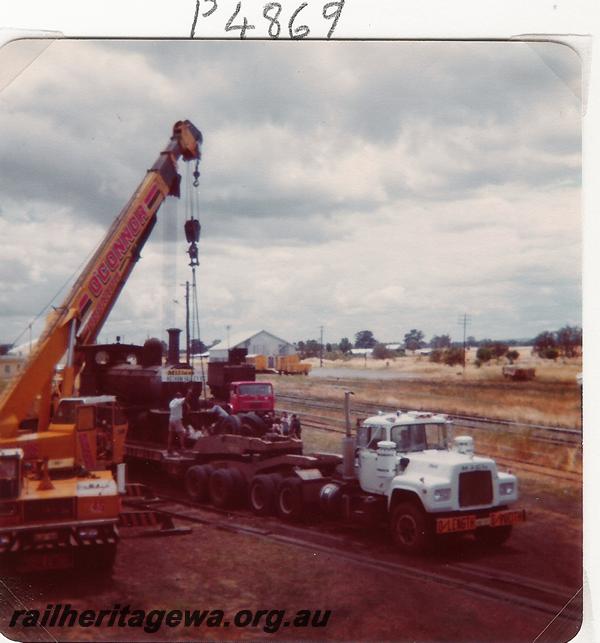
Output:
x=85 y=309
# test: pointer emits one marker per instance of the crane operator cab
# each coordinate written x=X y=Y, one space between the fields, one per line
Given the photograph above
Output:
x=100 y=429
x=10 y=473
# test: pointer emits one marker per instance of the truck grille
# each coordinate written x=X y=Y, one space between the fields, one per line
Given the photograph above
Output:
x=49 y=510
x=475 y=488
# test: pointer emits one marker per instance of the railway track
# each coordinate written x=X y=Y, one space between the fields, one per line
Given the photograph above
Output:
x=562 y=604
x=550 y=452
x=543 y=433
x=504 y=455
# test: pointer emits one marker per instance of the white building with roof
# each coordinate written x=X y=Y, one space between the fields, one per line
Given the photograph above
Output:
x=256 y=343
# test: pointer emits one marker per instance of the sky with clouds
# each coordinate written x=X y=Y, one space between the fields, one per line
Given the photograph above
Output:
x=353 y=185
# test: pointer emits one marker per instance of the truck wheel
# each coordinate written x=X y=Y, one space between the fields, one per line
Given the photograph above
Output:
x=196 y=482
x=409 y=529
x=289 y=504
x=493 y=536
x=222 y=488
x=262 y=495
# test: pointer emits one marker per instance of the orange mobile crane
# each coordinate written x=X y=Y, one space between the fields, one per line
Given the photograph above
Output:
x=59 y=501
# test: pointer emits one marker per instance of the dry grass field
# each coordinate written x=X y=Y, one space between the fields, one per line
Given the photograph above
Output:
x=552 y=398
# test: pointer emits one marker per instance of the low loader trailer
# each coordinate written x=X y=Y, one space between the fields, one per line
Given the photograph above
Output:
x=400 y=468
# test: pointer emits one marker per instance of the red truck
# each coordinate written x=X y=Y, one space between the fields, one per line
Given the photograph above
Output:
x=249 y=396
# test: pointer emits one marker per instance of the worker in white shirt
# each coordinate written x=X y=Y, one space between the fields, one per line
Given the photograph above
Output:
x=176 y=428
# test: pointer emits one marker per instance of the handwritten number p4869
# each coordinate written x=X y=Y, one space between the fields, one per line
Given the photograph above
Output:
x=275 y=26
x=243 y=27
x=333 y=15
x=296 y=33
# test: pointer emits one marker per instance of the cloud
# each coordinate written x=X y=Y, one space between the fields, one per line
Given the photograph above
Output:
x=349 y=184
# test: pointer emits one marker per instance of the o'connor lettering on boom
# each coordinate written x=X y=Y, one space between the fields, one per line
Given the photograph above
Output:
x=112 y=259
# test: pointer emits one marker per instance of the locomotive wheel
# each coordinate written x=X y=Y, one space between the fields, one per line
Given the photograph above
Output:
x=197 y=481
x=493 y=536
x=290 y=505
x=409 y=528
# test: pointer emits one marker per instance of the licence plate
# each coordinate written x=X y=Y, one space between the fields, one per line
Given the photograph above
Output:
x=455 y=523
x=45 y=561
x=504 y=518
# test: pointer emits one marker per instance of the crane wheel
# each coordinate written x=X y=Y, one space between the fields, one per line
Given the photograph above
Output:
x=409 y=528
x=197 y=482
x=290 y=504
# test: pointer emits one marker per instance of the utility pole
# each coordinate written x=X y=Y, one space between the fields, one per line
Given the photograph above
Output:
x=464 y=319
x=321 y=351
x=228 y=328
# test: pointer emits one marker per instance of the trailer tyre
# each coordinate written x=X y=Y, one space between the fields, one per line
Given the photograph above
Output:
x=263 y=491
x=493 y=536
x=290 y=504
x=222 y=488
x=254 y=424
x=197 y=482
x=408 y=525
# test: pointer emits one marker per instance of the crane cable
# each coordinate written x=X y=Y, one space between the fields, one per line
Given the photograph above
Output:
x=192 y=209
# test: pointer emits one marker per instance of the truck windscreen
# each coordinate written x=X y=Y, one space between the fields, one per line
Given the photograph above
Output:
x=255 y=389
x=418 y=437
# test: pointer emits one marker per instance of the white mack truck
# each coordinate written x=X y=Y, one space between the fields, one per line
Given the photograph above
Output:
x=400 y=468
x=427 y=486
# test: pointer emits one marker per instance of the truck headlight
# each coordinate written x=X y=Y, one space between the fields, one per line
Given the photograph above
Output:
x=88 y=532
x=507 y=488
x=440 y=495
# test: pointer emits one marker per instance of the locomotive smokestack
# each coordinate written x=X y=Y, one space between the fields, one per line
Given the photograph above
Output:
x=173 y=355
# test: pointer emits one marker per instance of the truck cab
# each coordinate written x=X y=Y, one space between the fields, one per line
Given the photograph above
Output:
x=431 y=484
x=256 y=397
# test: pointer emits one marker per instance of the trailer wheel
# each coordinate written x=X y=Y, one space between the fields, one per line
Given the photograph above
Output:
x=263 y=490
x=240 y=488
x=493 y=536
x=196 y=482
x=222 y=488
x=408 y=525
x=290 y=505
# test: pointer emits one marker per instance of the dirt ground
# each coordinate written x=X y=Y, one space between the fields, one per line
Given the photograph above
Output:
x=212 y=569
x=216 y=570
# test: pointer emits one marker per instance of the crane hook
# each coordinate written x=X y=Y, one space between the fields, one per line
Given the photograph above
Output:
x=196 y=174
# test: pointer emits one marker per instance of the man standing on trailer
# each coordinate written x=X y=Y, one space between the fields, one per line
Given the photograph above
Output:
x=176 y=430
x=285 y=424
x=295 y=427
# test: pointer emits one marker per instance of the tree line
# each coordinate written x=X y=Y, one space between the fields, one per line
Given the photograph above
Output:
x=564 y=342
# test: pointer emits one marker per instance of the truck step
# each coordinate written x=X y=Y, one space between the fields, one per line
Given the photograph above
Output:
x=156 y=523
